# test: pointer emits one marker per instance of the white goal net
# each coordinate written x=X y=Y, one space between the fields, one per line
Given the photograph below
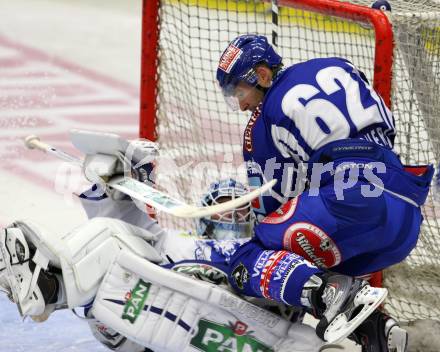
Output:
x=201 y=140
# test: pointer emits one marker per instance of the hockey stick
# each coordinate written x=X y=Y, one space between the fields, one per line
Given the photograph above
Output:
x=151 y=196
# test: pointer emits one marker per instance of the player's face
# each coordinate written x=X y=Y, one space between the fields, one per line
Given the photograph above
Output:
x=248 y=97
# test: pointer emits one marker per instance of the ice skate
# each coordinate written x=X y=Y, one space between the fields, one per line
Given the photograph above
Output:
x=24 y=276
x=342 y=303
x=380 y=333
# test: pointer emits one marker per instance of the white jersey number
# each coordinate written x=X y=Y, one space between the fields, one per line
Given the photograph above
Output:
x=319 y=120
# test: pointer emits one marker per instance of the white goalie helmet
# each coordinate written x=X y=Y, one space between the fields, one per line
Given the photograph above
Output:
x=21 y=274
x=237 y=223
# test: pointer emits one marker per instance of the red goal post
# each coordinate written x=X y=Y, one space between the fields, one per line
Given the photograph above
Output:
x=149 y=69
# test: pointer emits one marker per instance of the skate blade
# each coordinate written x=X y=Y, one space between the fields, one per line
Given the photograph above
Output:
x=340 y=327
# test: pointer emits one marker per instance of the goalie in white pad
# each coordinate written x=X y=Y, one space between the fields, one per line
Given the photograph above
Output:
x=170 y=292
x=83 y=261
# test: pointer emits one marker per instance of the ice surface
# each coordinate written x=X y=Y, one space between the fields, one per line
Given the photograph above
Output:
x=63 y=65
x=62 y=332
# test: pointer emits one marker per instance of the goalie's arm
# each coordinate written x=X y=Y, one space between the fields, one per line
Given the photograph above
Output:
x=151 y=196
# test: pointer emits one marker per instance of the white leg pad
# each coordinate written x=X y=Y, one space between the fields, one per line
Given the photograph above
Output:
x=90 y=249
x=167 y=311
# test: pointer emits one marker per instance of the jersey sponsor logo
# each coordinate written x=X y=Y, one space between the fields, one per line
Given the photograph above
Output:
x=229 y=58
x=271 y=272
x=253 y=168
x=136 y=301
x=213 y=337
x=261 y=262
x=202 y=272
x=240 y=275
x=282 y=214
x=352 y=165
x=312 y=243
x=247 y=139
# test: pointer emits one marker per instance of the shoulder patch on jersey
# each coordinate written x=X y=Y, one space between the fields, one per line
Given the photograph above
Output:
x=229 y=57
x=247 y=139
x=240 y=275
x=282 y=214
x=312 y=243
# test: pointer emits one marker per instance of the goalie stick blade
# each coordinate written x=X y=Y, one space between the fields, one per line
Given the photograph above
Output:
x=163 y=202
x=146 y=194
x=199 y=212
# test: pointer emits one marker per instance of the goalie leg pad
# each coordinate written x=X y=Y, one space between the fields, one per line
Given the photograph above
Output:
x=91 y=248
x=167 y=311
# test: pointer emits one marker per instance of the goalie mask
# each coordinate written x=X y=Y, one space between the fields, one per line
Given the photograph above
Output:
x=237 y=223
x=21 y=276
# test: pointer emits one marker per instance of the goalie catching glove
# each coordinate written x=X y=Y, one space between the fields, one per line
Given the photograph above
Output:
x=108 y=155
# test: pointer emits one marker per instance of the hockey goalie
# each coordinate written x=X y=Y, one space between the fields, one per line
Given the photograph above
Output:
x=109 y=268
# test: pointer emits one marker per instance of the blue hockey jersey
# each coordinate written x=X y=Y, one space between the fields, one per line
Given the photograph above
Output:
x=309 y=105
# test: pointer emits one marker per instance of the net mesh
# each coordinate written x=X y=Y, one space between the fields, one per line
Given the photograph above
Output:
x=201 y=140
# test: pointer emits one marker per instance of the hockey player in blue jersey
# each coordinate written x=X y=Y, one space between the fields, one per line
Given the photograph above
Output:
x=347 y=202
